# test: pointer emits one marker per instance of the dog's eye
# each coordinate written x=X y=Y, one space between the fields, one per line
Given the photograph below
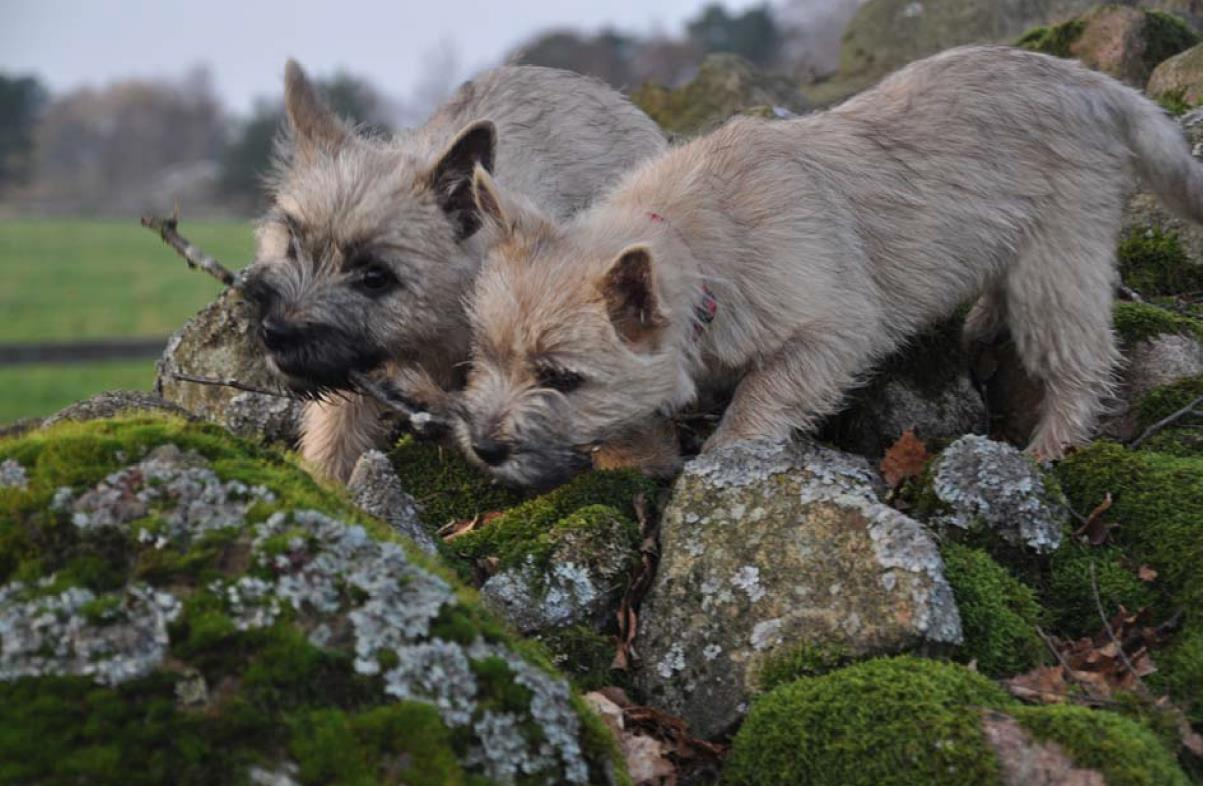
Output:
x=375 y=278
x=559 y=379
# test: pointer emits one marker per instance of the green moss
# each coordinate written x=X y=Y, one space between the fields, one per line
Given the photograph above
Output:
x=1168 y=399
x=1134 y=322
x=1174 y=101
x=526 y=531
x=1053 y=40
x=804 y=660
x=584 y=655
x=1165 y=35
x=881 y=722
x=1179 y=674
x=1068 y=590
x=1157 y=505
x=447 y=486
x=999 y=614
x=1125 y=752
x=1153 y=262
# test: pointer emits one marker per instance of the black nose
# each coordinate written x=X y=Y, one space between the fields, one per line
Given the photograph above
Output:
x=277 y=334
x=491 y=451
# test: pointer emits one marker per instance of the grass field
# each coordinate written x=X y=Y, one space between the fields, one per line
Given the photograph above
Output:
x=64 y=280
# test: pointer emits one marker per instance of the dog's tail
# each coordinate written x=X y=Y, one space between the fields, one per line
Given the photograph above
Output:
x=1162 y=156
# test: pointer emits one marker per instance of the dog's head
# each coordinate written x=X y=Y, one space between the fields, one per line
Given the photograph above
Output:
x=367 y=250
x=571 y=344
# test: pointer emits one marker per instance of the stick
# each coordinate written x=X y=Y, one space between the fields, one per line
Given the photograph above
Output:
x=232 y=383
x=390 y=397
x=1100 y=609
x=1167 y=421
x=195 y=257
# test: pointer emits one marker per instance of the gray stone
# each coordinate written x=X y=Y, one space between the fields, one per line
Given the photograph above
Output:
x=375 y=487
x=1149 y=364
x=12 y=475
x=991 y=486
x=578 y=584
x=115 y=402
x=1178 y=76
x=769 y=548
x=220 y=342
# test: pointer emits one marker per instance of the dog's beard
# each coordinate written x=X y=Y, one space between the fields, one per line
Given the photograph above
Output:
x=323 y=365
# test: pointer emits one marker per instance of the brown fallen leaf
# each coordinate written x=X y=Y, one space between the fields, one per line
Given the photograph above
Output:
x=1147 y=573
x=454 y=529
x=903 y=460
x=1095 y=529
x=1044 y=684
x=638 y=586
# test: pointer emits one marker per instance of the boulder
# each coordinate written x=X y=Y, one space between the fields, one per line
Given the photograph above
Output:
x=179 y=606
x=220 y=342
x=997 y=494
x=1178 y=78
x=1123 y=42
x=772 y=551
x=926 y=387
x=115 y=402
x=376 y=489
x=725 y=85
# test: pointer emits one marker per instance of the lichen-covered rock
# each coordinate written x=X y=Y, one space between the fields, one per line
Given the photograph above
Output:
x=725 y=85
x=906 y=722
x=770 y=548
x=1123 y=42
x=220 y=342
x=115 y=402
x=925 y=387
x=593 y=553
x=995 y=491
x=178 y=606
x=1178 y=78
x=376 y=489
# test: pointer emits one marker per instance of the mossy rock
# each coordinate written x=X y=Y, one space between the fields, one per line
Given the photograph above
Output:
x=1124 y=42
x=725 y=85
x=1176 y=82
x=1134 y=322
x=180 y=606
x=446 y=486
x=999 y=613
x=1157 y=506
x=1153 y=262
x=1078 y=575
x=917 y=722
x=1179 y=674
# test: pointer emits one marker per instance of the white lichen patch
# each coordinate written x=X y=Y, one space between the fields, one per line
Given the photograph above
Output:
x=672 y=662
x=55 y=634
x=436 y=672
x=12 y=475
x=766 y=634
x=532 y=599
x=994 y=485
x=712 y=651
x=748 y=579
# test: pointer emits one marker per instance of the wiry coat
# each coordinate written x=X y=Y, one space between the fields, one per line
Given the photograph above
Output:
x=826 y=242
x=371 y=245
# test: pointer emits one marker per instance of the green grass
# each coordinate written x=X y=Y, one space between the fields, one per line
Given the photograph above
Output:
x=29 y=391
x=62 y=280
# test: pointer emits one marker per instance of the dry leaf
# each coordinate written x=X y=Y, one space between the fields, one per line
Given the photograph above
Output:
x=454 y=529
x=1095 y=529
x=1147 y=573
x=1044 y=684
x=638 y=586
x=903 y=460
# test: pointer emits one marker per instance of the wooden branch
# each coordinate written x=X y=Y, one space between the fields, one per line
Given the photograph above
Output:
x=422 y=422
x=195 y=257
x=1100 y=609
x=1154 y=428
x=233 y=383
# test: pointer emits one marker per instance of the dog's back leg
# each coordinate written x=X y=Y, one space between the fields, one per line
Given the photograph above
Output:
x=1060 y=315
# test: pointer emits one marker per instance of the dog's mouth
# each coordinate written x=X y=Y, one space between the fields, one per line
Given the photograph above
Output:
x=314 y=368
x=541 y=469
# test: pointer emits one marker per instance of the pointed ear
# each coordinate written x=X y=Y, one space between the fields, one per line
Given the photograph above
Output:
x=315 y=126
x=488 y=200
x=630 y=294
x=452 y=177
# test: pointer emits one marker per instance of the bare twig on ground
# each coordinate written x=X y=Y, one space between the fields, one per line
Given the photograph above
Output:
x=389 y=396
x=1100 y=609
x=195 y=257
x=233 y=383
x=1154 y=428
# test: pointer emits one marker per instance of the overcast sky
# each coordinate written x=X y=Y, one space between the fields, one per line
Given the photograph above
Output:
x=245 y=42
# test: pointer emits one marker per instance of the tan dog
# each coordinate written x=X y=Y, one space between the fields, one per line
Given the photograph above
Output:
x=372 y=244
x=795 y=254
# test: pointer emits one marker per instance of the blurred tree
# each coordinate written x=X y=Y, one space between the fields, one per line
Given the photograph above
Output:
x=753 y=34
x=606 y=55
x=22 y=100
x=247 y=157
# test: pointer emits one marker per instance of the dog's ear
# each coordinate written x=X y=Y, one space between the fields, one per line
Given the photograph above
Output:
x=488 y=201
x=315 y=126
x=452 y=176
x=630 y=294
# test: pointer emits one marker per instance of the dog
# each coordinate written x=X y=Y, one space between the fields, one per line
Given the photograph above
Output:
x=792 y=255
x=371 y=245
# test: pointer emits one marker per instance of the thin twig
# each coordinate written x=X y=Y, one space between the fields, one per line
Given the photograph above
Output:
x=1167 y=421
x=233 y=383
x=386 y=394
x=195 y=257
x=1100 y=609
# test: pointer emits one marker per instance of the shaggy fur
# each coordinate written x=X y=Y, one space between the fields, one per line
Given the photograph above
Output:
x=371 y=245
x=826 y=242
